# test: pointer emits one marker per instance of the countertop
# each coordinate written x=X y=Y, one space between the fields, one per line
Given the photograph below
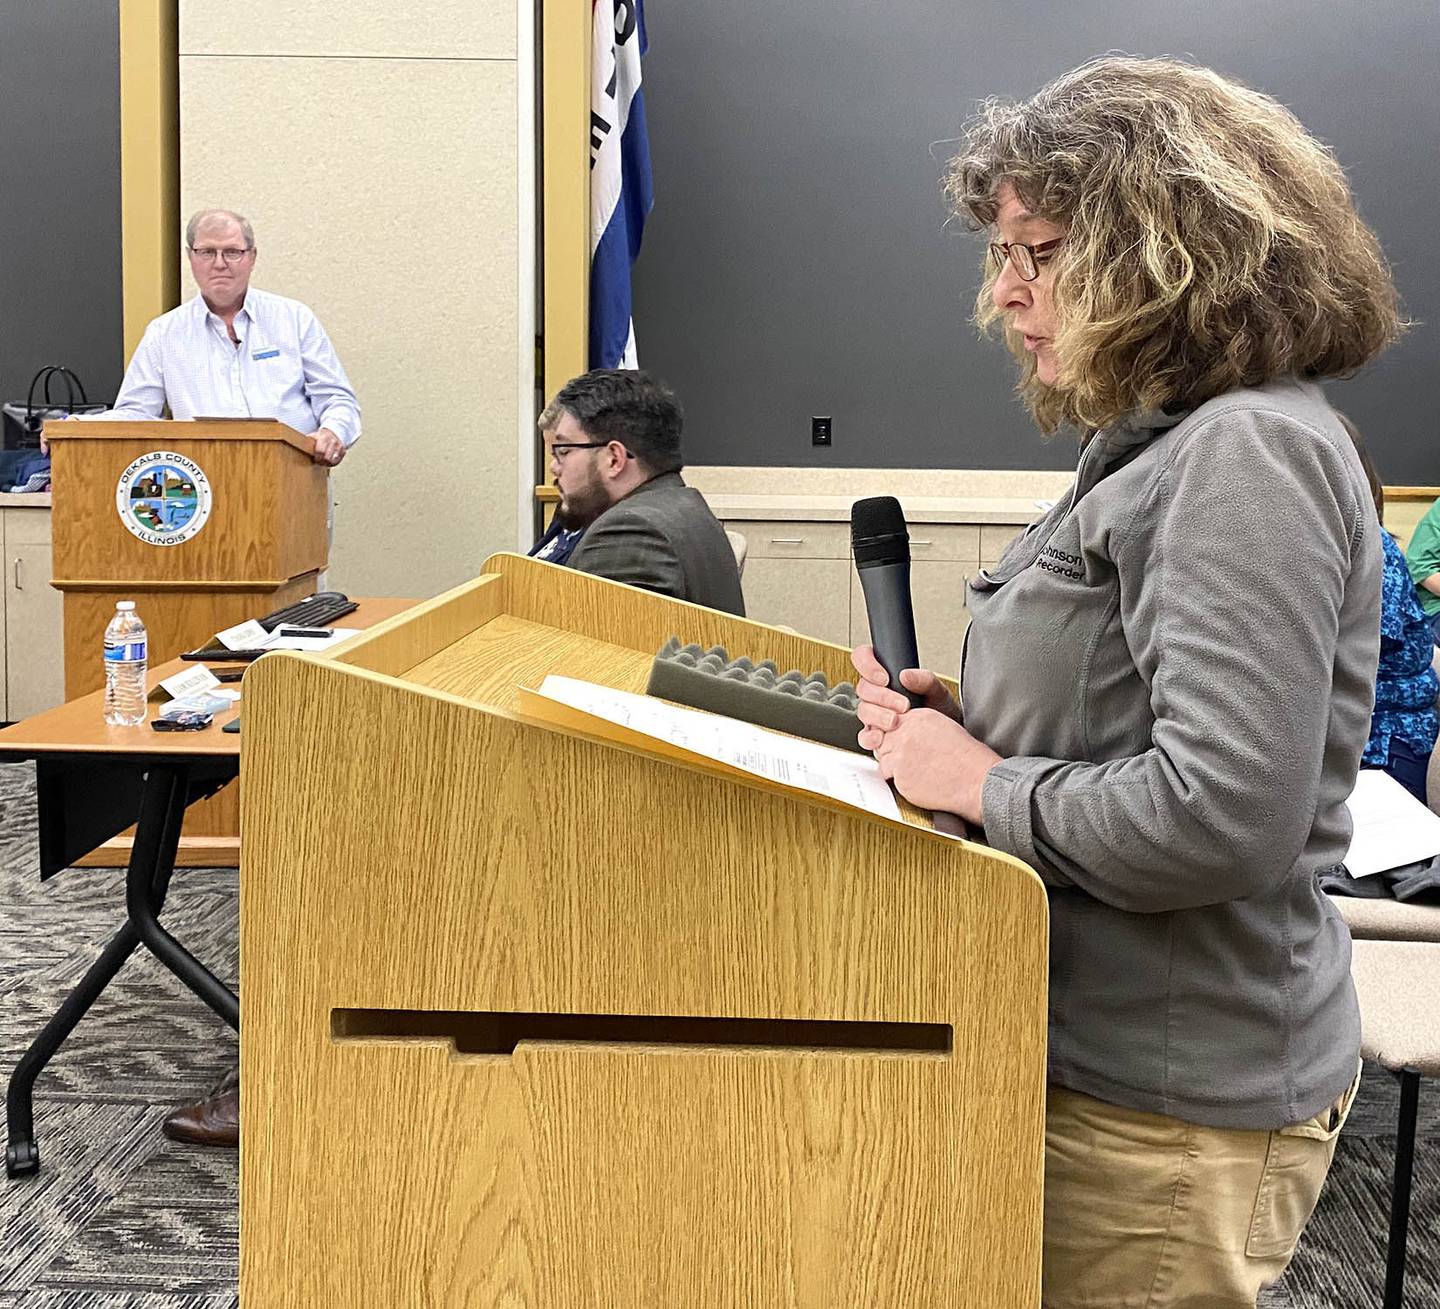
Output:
x=733 y=507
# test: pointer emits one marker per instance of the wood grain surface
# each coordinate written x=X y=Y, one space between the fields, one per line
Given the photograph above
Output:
x=79 y=725
x=268 y=509
x=176 y=620
x=458 y=859
x=262 y=547
x=210 y=837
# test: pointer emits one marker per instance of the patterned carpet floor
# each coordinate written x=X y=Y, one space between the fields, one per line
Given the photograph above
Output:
x=121 y=1218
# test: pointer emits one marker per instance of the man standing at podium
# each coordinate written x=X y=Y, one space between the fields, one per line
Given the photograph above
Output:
x=234 y=352
x=612 y=436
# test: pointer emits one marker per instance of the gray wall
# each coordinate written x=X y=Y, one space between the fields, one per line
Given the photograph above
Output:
x=798 y=260
x=60 y=193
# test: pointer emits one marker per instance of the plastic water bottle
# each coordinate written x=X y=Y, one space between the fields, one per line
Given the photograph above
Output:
x=125 y=648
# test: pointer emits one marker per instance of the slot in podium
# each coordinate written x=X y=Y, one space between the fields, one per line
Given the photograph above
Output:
x=542 y=1012
x=203 y=524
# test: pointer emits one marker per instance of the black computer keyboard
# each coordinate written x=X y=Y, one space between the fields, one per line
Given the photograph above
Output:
x=319 y=610
x=219 y=654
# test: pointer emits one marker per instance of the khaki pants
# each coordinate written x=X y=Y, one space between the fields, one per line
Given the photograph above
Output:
x=1148 y=1212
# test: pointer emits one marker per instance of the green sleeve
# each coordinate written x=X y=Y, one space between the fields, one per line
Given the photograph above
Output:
x=1423 y=552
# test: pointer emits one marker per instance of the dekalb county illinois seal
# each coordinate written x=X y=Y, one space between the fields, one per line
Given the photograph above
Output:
x=163 y=498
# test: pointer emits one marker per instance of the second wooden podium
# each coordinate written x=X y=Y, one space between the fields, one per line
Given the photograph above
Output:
x=534 y=1017
x=203 y=524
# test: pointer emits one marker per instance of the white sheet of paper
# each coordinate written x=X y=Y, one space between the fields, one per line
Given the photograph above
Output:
x=853 y=779
x=1392 y=828
x=249 y=635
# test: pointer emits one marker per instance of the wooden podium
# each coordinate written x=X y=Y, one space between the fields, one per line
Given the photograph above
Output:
x=535 y=1017
x=261 y=545
x=261 y=548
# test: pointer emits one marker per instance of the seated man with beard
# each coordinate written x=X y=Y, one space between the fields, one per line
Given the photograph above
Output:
x=613 y=439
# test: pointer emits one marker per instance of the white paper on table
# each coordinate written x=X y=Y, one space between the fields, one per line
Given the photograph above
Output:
x=279 y=641
x=852 y=779
x=250 y=635
x=1392 y=828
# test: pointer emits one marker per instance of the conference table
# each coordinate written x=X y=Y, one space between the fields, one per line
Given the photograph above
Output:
x=92 y=781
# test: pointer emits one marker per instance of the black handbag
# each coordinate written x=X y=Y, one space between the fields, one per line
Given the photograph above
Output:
x=22 y=423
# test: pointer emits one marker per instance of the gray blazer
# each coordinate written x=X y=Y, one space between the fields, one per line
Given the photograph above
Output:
x=663 y=537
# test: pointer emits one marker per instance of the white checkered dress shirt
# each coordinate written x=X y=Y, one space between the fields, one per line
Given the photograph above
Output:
x=284 y=367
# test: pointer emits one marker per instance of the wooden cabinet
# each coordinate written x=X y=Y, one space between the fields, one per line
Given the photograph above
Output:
x=994 y=539
x=942 y=557
x=937 y=593
x=810 y=596
x=30 y=623
x=799 y=574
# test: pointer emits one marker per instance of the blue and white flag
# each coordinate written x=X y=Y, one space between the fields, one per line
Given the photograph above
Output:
x=620 y=190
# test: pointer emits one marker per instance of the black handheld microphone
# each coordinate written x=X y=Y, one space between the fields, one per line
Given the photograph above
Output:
x=881 y=546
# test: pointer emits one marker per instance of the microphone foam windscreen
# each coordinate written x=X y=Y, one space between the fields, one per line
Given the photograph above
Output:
x=880 y=515
x=877 y=531
x=757 y=693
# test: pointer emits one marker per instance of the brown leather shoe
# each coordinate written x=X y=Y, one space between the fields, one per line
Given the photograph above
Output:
x=214 y=1121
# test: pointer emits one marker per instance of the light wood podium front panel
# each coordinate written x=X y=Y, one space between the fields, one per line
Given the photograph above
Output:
x=463 y=871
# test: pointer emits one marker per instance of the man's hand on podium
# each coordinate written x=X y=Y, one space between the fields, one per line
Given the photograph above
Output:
x=329 y=448
x=44 y=444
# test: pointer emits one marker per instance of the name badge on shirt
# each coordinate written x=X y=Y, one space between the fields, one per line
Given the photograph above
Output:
x=266 y=354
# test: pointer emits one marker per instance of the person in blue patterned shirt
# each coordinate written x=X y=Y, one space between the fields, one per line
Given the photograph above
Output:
x=1404 y=725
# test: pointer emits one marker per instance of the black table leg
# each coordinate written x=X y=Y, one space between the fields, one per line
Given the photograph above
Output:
x=152 y=861
x=22 y=1154
x=145 y=886
x=1400 y=1191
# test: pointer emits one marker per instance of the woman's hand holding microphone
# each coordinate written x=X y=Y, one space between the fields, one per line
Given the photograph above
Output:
x=933 y=761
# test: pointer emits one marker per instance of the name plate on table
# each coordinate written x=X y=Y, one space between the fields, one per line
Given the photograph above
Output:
x=190 y=681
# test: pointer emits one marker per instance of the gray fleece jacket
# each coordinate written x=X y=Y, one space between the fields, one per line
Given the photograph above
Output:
x=1178 y=664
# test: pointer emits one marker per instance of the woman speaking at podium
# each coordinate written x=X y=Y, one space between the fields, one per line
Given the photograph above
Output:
x=1167 y=680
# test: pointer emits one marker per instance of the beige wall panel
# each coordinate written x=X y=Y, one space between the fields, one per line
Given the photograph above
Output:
x=384 y=196
x=438 y=29
x=1402 y=516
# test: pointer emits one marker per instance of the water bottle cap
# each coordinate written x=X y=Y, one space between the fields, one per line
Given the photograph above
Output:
x=125 y=606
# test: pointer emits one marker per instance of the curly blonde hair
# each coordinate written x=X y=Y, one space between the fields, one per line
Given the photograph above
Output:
x=1211 y=244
